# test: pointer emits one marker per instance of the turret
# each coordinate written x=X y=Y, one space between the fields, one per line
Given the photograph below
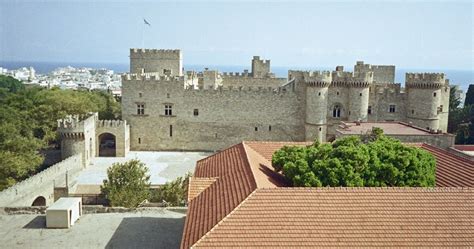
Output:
x=78 y=136
x=161 y=61
x=317 y=84
x=428 y=100
x=260 y=68
x=359 y=95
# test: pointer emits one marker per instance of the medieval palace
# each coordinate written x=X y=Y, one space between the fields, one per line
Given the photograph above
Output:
x=168 y=109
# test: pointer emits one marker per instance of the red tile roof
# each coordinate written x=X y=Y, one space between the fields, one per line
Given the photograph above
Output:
x=198 y=184
x=235 y=182
x=244 y=170
x=451 y=170
x=348 y=217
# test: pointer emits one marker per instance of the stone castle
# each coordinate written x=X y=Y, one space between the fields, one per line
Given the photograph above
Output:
x=169 y=109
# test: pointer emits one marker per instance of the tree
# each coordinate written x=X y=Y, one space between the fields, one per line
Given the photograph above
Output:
x=469 y=96
x=11 y=84
x=173 y=193
x=28 y=123
x=127 y=184
x=377 y=161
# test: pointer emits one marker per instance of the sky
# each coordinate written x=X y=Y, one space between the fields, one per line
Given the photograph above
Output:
x=408 y=34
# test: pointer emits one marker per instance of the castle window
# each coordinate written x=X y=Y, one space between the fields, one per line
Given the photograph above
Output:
x=171 y=130
x=168 y=95
x=441 y=108
x=369 y=110
x=256 y=128
x=196 y=112
x=337 y=93
x=336 y=111
x=434 y=94
x=391 y=108
x=320 y=129
x=269 y=128
x=319 y=94
x=139 y=140
x=140 y=95
x=360 y=94
x=168 y=110
x=412 y=111
x=140 y=109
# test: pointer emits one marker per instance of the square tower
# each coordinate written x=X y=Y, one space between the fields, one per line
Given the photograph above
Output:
x=160 y=61
x=260 y=68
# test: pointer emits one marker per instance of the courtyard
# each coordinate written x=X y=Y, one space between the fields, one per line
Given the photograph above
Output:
x=144 y=228
x=163 y=166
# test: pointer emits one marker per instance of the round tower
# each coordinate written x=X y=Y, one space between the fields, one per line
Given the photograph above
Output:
x=317 y=84
x=425 y=98
x=359 y=95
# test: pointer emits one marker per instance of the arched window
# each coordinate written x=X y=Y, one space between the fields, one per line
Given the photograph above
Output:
x=336 y=111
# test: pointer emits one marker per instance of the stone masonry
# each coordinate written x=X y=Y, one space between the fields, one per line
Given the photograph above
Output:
x=169 y=110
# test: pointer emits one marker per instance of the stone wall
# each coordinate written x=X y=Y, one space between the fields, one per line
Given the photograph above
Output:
x=120 y=129
x=42 y=184
x=226 y=116
x=156 y=61
x=440 y=140
x=248 y=81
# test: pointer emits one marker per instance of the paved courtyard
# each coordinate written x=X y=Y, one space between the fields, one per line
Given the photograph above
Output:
x=150 y=228
x=163 y=166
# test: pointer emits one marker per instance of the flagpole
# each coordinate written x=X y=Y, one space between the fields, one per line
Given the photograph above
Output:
x=143 y=36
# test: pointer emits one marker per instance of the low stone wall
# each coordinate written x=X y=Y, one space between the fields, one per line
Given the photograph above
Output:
x=41 y=184
x=87 y=209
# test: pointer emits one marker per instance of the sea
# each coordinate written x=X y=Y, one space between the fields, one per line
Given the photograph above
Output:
x=457 y=77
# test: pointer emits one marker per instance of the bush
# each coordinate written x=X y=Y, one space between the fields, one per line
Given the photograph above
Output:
x=373 y=161
x=172 y=193
x=127 y=184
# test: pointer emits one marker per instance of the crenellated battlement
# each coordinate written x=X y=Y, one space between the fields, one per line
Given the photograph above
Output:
x=425 y=80
x=142 y=51
x=111 y=123
x=237 y=74
x=244 y=89
x=317 y=78
x=257 y=58
x=151 y=77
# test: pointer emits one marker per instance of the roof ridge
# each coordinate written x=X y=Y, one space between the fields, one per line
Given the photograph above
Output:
x=217 y=152
x=368 y=189
x=223 y=219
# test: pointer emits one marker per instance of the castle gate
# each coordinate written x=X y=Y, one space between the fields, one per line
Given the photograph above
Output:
x=39 y=201
x=107 y=145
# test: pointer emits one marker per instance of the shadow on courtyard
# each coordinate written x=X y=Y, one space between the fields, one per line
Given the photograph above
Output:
x=147 y=232
x=39 y=222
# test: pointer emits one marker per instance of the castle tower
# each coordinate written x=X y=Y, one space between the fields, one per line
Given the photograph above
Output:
x=428 y=100
x=317 y=84
x=359 y=95
x=260 y=68
x=78 y=136
x=161 y=61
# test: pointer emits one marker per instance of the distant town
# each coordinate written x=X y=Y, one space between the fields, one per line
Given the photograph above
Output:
x=70 y=78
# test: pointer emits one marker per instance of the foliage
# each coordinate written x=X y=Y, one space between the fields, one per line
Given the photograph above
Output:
x=172 y=193
x=10 y=84
x=379 y=161
x=127 y=184
x=461 y=119
x=28 y=123
x=469 y=96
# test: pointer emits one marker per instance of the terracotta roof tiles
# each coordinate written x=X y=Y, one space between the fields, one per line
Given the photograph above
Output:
x=246 y=206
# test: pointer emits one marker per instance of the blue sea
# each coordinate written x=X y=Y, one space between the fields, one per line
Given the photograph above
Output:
x=456 y=77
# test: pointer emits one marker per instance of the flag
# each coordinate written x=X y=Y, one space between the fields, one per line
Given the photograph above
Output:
x=146 y=22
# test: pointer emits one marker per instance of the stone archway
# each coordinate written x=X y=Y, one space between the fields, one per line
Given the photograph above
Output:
x=39 y=201
x=107 y=145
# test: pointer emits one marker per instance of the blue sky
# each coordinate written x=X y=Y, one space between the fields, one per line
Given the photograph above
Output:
x=419 y=34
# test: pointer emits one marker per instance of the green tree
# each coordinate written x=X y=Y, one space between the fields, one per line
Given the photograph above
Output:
x=173 y=193
x=454 y=101
x=11 y=84
x=469 y=96
x=127 y=184
x=377 y=160
x=28 y=123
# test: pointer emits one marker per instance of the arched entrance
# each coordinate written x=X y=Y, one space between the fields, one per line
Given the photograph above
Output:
x=39 y=201
x=107 y=145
